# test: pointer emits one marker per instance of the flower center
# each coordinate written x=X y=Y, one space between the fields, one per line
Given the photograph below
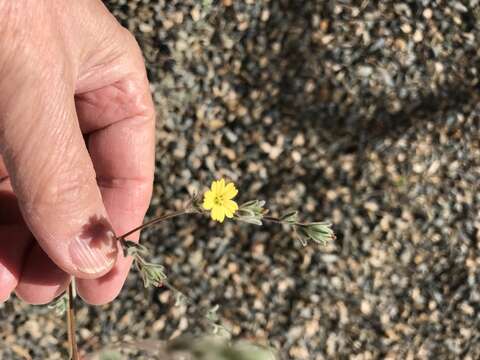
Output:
x=218 y=200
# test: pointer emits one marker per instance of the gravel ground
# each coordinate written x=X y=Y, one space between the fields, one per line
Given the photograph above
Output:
x=365 y=113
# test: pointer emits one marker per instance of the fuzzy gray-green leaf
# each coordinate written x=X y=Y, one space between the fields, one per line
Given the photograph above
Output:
x=290 y=217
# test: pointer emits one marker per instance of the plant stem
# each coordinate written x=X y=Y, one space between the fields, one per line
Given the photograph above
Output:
x=154 y=221
x=72 y=340
x=272 y=219
x=279 y=221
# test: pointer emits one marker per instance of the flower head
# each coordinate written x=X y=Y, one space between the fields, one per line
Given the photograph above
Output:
x=219 y=200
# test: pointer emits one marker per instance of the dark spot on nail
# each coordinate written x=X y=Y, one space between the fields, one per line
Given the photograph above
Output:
x=97 y=231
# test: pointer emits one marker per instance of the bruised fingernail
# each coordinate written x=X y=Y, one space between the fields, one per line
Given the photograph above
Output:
x=94 y=251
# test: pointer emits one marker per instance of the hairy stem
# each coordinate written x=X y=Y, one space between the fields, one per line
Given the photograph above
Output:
x=280 y=221
x=272 y=219
x=72 y=340
x=154 y=221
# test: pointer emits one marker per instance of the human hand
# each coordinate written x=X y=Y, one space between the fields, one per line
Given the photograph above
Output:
x=77 y=128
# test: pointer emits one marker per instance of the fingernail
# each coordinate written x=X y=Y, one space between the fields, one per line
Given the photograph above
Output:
x=94 y=252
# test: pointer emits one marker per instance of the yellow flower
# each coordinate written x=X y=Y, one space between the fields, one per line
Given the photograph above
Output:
x=219 y=200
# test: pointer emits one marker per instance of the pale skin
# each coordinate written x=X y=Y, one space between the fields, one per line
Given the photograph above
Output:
x=77 y=147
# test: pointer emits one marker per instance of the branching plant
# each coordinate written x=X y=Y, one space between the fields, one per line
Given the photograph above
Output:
x=217 y=203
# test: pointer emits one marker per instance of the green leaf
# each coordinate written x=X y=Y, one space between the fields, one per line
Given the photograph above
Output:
x=212 y=313
x=290 y=217
x=250 y=220
x=251 y=212
x=132 y=249
x=319 y=232
x=152 y=274
x=245 y=213
x=257 y=206
x=249 y=203
x=59 y=305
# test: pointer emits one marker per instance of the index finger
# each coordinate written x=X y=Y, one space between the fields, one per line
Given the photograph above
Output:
x=119 y=119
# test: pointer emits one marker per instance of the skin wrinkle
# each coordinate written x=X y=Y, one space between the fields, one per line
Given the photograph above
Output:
x=129 y=91
x=92 y=103
x=57 y=125
x=101 y=33
x=18 y=116
x=132 y=137
x=73 y=191
x=45 y=196
x=9 y=28
x=48 y=165
x=116 y=182
x=140 y=192
x=26 y=32
x=10 y=109
x=111 y=66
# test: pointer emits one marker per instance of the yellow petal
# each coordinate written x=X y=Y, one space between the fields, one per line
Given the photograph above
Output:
x=209 y=195
x=218 y=213
x=214 y=187
x=218 y=186
x=230 y=208
x=228 y=214
x=208 y=200
x=230 y=191
x=221 y=186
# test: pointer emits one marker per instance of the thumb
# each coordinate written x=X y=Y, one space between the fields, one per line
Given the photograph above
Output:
x=54 y=179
